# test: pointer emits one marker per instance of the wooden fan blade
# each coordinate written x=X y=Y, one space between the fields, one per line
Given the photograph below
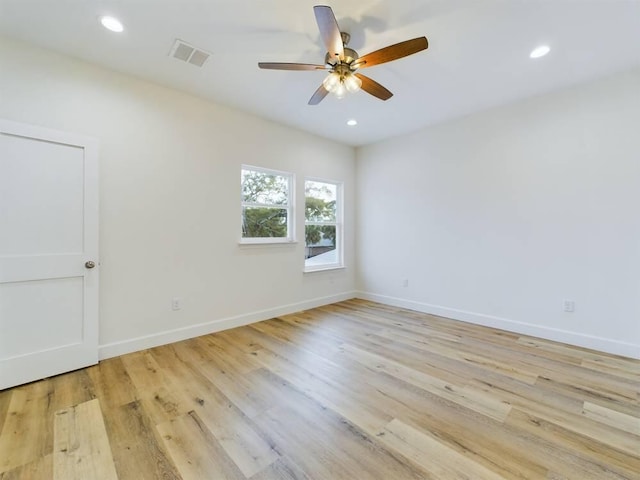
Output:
x=290 y=66
x=374 y=88
x=329 y=31
x=392 y=52
x=318 y=96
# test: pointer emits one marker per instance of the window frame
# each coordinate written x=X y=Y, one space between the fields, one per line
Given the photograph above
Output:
x=289 y=207
x=338 y=223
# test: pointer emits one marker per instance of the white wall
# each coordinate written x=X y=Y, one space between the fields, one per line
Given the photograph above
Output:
x=493 y=219
x=169 y=193
x=498 y=217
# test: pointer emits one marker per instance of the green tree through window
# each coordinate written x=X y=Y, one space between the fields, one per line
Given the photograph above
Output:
x=266 y=204
x=322 y=229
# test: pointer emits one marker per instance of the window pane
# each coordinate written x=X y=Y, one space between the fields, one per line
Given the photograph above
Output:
x=320 y=245
x=320 y=201
x=264 y=222
x=261 y=187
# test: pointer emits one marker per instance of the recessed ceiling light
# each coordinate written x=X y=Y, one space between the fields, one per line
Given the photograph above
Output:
x=540 y=51
x=352 y=122
x=111 y=23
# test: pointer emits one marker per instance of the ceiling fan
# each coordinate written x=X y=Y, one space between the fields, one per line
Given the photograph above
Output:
x=342 y=62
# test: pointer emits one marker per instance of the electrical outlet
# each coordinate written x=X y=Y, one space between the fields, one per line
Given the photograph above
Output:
x=568 y=306
x=176 y=303
x=405 y=282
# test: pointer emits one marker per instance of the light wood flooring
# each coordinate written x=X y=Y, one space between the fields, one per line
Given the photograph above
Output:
x=354 y=390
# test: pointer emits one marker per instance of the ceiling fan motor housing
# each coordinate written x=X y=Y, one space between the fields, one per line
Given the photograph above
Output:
x=350 y=56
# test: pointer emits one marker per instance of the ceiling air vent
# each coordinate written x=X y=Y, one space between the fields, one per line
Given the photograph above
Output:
x=188 y=53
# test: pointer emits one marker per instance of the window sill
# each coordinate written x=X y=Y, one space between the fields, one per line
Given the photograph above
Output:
x=276 y=243
x=323 y=268
x=266 y=245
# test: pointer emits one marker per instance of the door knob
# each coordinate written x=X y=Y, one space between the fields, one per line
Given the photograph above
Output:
x=89 y=264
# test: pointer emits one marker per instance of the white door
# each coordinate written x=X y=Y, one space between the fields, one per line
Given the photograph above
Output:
x=48 y=239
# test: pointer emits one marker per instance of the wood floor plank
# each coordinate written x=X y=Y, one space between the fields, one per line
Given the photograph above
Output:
x=200 y=352
x=621 y=421
x=27 y=433
x=239 y=340
x=81 y=445
x=602 y=387
x=574 y=455
x=379 y=320
x=249 y=451
x=40 y=469
x=463 y=429
x=283 y=332
x=226 y=347
x=484 y=362
x=550 y=367
x=237 y=387
x=153 y=389
x=232 y=429
x=578 y=355
x=435 y=457
x=353 y=390
x=327 y=391
x=599 y=432
x=578 y=392
x=282 y=469
x=195 y=451
x=322 y=442
x=112 y=384
x=5 y=400
x=473 y=399
x=71 y=389
x=138 y=453
x=616 y=366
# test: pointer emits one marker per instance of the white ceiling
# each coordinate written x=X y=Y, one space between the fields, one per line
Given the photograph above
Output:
x=478 y=53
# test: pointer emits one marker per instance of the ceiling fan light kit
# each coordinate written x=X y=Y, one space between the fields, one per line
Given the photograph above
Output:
x=342 y=62
x=339 y=83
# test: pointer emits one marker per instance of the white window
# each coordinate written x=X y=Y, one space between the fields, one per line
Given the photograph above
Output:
x=267 y=209
x=323 y=225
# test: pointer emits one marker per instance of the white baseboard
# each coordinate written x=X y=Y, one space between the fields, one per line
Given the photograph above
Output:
x=615 y=347
x=170 y=336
